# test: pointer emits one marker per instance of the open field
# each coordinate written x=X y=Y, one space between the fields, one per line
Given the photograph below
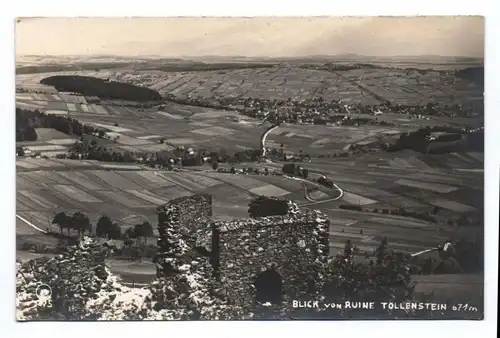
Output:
x=68 y=186
x=49 y=134
x=129 y=195
x=140 y=129
x=366 y=230
x=359 y=85
x=356 y=199
x=372 y=181
x=205 y=128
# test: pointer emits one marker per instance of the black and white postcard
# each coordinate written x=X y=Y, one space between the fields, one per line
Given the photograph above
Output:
x=265 y=168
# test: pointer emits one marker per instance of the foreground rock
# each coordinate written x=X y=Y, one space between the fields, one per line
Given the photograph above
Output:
x=83 y=288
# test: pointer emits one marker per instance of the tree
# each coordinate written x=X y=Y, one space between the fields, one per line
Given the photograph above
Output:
x=147 y=230
x=128 y=157
x=81 y=223
x=63 y=221
x=130 y=233
x=103 y=226
x=115 y=232
x=90 y=86
x=128 y=242
x=143 y=230
x=138 y=230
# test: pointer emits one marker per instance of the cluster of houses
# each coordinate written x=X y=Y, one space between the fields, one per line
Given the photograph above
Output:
x=319 y=111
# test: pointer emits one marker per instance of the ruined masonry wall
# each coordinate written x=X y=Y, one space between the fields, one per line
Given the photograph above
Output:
x=295 y=246
x=189 y=213
x=178 y=222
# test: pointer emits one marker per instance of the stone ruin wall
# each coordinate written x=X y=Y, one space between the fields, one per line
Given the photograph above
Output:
x=293 y=246
x=187 y=213
x=73 y=276
x=178 y=222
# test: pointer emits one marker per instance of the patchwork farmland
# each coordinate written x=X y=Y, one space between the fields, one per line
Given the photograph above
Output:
x=46 y=186
x=129 y=194
x=140 y=131
x=137 y=129
x=410 y=87
x=379 y=181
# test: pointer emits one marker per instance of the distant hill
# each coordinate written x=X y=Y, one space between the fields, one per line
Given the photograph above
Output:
x=40 y=64
x=352 y=57
x=474 y=74
x=68 y=66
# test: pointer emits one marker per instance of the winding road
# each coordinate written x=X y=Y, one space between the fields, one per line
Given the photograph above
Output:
x=313 y=202
x=307 y=196
x=264 y=137
x=30 y=224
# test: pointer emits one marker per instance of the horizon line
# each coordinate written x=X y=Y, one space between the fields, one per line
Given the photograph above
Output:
x=251 y=57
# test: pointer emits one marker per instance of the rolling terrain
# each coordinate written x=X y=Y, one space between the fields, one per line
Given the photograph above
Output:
x=445 y=187
x=364 y=86
x=140 y=129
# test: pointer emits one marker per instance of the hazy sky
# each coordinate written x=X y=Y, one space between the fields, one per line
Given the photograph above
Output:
x=171 y=37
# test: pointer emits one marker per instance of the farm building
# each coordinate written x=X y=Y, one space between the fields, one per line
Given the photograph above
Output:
x=257 y=261
x=111 y=243
x=293 y=169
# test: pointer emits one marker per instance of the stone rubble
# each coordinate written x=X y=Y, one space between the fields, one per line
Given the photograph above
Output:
x=83 y=288
x=73 y=277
